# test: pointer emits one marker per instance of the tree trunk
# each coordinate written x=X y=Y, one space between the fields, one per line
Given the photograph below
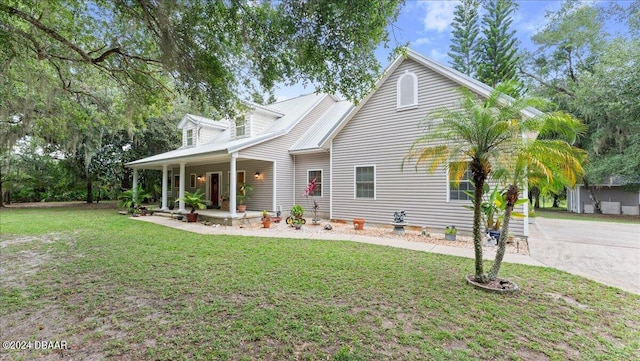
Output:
x=478 y=179
x=1 y=192
x=556 y=199
x=89 y=190
x=534 y=196
x=512 y=198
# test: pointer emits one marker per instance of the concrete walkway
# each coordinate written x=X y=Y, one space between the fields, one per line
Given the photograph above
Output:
x=606 y=252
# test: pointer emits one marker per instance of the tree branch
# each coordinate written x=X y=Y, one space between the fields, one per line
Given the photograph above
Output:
x=541 y=81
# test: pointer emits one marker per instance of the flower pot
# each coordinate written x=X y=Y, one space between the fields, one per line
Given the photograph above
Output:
x=297 y=225
x=316 y=221
x=266 y=224
x=494 y=234
x=179 y=217
x=450 y=237
x=242 y=208
x=358 y=224
x=192 y=217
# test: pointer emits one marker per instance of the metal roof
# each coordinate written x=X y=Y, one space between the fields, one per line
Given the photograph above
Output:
x=312 y=139
x=293 y=109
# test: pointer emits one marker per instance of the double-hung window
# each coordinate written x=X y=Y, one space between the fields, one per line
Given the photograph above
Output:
x=457 y=190
x=317 y=175
x=189 y=137
x=365 y=182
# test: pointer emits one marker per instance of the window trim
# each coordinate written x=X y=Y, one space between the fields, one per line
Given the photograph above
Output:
x=355 y=184
x=448 y=185
x=321 y=180
x=415 y=91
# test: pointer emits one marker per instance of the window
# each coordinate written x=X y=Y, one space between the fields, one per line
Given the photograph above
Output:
x=189 y=136
x=317 y=174
x=170 y=176
x=365 y=182
x=241 y=126
x=192 y=180
x=457 y=192
x=407 y=90
x=176 y=181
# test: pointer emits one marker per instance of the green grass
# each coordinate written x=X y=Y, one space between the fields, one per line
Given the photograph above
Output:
x=560 y=213
x=117 y=288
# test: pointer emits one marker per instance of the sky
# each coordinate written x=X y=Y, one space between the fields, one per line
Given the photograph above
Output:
x=426 y=26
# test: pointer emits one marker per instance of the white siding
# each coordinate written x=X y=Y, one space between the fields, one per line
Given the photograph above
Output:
x=380 y=134
x=277 y=150
x=260 y=122
x=207 y=134
x=304 y=163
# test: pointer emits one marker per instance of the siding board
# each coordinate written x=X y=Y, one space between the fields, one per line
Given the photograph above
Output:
x=381 y=135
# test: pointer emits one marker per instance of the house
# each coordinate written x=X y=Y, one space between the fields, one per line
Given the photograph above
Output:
x=611 y=195
x=354 y=152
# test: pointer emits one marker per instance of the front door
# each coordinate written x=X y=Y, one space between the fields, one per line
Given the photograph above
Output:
x=214 y=183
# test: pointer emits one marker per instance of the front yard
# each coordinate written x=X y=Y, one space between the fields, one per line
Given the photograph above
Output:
x=115 y=288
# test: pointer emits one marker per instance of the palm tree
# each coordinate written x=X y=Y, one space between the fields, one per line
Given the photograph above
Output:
x=479 y=131
x=546 y=157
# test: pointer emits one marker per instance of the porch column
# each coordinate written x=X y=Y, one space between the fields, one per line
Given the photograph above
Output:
x=233 y=174
x=165 y=174
x=135 y=185
x=181 y=194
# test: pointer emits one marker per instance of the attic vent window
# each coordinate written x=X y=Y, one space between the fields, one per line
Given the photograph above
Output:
x=407 y=90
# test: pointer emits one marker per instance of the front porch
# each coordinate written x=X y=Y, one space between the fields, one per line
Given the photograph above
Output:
x=221 y=217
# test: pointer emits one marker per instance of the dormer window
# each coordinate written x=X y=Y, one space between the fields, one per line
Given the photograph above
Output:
x=241 y=126
x=407 y=90
x=189 y=137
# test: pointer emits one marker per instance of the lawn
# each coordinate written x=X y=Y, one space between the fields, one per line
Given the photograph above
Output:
x=112 y=287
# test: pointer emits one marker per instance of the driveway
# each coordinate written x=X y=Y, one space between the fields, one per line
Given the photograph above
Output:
x=606 y=252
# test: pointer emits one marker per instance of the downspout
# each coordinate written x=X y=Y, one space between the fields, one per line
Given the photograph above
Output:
x=275 y=188
x=331 y=180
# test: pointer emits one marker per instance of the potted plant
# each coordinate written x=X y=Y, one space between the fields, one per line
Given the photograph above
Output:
x=193 y=200
x=450 y=233
x=266 y=219
x=296 y=215
x=358 y=224
x=242 y=195
x=132 y=199
x=298 y=222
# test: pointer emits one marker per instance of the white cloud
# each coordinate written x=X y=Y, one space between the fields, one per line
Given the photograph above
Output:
x=438 y=15
x=438 y=56
x=421 y=41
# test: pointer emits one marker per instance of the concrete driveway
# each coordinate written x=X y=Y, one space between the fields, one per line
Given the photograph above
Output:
x=606 y=252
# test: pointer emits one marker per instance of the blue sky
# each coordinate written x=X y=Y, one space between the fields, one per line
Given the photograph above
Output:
x=426 y=26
